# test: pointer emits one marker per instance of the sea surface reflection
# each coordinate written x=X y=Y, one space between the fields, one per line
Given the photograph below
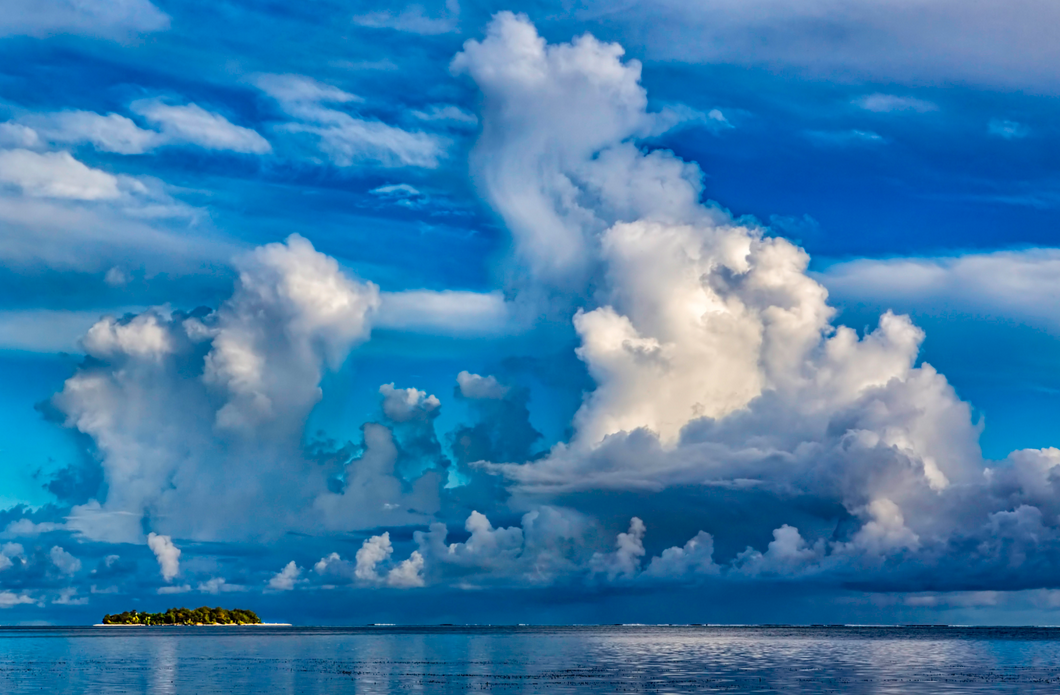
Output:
x=618 y=659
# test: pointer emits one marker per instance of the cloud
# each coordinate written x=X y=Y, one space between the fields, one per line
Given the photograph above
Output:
x=625 y=560
x=787 y=553
x=699 y=358
x=69 y=597
x=372 y=490
x=245 y=376
x=103 y=18
x=17 y=135
x=332 y=564
x=555 y=157
x=405 y=405
x=22 y=528
x=414 y=19
x=142 y=336
x=60 y=213
x=1021 y=285
x=503 y=431
x=716 y=359
x=727 y=407
x=447 y=114
x=409 y=197
x=9 y=599
x=716 y=116
x=890 y=103
x=287 y=578
x=9 y=551
x=55 y=175
x=187 y=124
x=546 y=547
x=885 y=531
x=694 y=558
x=167 y=554
x=676 y=116
x=192 y=124
x=475 y=386
x=347 y=140
x=845 y=137
x=447 y=312
x=1007 y=130
x=408 y=574
x=400 y=190
x=294 y=286
x=64 y=561
x=116 y=277
x=45 y=330
x=110 y=133
x=376 y=551
x=298 y=92
x=937 y=42
x=554 y=546
x=217 y=585
x=143 y=226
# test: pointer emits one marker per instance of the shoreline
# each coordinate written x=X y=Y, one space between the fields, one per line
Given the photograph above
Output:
x=590 y=626
x=197 y=625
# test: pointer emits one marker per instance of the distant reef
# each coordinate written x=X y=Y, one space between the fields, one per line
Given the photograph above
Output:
x=186 y=616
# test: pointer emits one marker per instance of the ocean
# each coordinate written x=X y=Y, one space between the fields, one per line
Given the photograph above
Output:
x=597 y=659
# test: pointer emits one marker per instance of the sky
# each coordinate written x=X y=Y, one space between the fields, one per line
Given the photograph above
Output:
x=707 y=311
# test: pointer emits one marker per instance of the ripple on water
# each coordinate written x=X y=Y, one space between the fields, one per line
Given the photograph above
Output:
x=615 y=659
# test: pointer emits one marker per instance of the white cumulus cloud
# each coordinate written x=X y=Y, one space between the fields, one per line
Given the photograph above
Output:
x=167 y=554
x=475 y=386
x=404 y=405
x=287 y=578
x=256 y=364
x=64 y=561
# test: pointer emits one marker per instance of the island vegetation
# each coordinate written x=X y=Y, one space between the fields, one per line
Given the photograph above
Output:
x=185 y=616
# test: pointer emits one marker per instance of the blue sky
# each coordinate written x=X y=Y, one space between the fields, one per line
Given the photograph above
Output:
x=478 y=312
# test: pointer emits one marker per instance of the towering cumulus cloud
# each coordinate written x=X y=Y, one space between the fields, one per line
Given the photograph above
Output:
x=716 y=360
x=555 y=157
x=188 y=408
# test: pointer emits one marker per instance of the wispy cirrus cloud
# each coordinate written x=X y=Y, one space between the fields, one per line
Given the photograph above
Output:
x=1023 y=285
x=185 y=124
x=446 y=114
x=845 y=137
x=59 y=212
x=345 y=139
x=103 y=18
x=891 y=103
x=192 y=124
x=1007 y=130
x=414 y=18
x=918 y=42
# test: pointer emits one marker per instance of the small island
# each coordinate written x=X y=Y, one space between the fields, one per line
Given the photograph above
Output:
x=186 y=616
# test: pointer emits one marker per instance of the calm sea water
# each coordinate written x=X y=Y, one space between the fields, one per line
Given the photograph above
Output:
x=529 y=660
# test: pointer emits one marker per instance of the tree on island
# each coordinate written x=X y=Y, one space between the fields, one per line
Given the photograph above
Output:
x=185 y=616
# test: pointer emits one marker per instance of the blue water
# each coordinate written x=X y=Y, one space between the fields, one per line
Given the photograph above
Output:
x=234 y=660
